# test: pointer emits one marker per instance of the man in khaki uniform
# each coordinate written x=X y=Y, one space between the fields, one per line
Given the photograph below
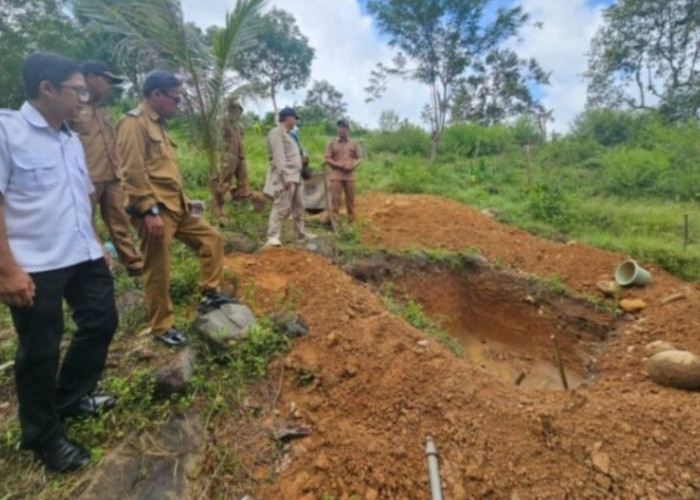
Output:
x=343 y=156
x=99 y=138
x=159 y=208
x=234 y=160
x=283 y=183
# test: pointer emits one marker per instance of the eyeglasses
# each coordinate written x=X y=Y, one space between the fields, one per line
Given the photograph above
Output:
x=175 y=98
x=82 y=92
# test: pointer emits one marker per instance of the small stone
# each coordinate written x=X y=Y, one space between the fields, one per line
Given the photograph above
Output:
x=600 y=461
x=173 y=377
x=350 y=370
x=322 y=462
x=633 y=306
x=607 y=287
x=423 y=343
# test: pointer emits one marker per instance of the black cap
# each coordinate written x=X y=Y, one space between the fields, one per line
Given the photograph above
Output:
x=286 y=112
x=160 y=80
x=98 y=68
x=343 y=123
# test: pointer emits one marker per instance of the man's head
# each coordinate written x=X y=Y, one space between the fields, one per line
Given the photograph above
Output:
x=163 y=93
x=54 y=84
x=99 y=79
x=343 y=129
x=288 y=118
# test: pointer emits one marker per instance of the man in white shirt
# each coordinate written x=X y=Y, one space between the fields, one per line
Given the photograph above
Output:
x=49 y=252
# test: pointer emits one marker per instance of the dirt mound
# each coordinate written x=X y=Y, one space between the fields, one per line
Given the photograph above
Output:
x=372 y=389
x=422 y=222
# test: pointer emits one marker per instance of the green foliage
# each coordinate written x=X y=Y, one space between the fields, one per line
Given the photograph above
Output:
x=646 y=51
x=280 y=58
x=408 y=139
x=548 y=203
x=326 y=98
x=450 y=45
x=27 y=26
x=412 y=312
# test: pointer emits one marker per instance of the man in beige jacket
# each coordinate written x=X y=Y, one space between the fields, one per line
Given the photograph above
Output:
x=284 y=183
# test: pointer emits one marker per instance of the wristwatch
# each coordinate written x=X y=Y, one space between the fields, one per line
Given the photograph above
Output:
x=154 y=210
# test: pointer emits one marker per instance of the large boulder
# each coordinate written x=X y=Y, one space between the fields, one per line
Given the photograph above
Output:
x=679 y=369
x=228 y=323
x=149 y=465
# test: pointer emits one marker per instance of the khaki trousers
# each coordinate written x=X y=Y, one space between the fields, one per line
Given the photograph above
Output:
x=287 y=202
x=337 y=189
x=109 y=196
x=197 y=234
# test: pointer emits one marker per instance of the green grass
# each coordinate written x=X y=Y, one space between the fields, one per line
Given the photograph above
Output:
x=565 y=200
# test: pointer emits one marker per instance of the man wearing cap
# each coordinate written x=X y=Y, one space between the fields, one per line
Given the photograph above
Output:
x=159 y=208
x=343 y=156
x=99 y=138
x=283 y=183
x=233 y=159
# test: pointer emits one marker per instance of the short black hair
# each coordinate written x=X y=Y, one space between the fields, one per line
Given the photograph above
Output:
x=160 y=80
x=46 y=66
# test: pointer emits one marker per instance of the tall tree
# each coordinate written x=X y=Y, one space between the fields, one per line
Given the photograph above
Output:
x=27 y=26
x=156 y=33
x=499 y=89
x=327 y=99
x=280 y=58
x=647 y=55
x=440 y=42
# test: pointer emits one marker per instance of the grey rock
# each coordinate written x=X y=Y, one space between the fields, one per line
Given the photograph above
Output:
x=290 y=323
x=134 y=470
x=238 y=243
x=320 y=246
x=229 y=322
x=173 y=377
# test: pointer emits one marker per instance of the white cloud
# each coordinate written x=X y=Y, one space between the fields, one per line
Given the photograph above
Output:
x=348 y=47
x=561 y=47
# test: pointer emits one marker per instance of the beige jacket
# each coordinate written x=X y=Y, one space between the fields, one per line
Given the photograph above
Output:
x=285 y=161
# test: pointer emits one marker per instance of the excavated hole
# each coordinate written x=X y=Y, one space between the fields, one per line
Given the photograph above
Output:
x=505 y=322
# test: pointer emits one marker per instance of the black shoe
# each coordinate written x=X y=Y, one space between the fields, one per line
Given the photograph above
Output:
x=60 y=455
x=173 y=337
x=213 y=300
x=90 y=406
x=134 y=273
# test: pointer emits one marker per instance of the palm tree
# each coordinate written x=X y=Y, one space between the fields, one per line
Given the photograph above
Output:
x=155 y=33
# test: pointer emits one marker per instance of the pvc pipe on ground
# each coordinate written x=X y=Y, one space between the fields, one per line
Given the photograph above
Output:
x=433 y=470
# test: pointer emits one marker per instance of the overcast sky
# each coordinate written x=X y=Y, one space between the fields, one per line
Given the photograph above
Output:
x=348 y=47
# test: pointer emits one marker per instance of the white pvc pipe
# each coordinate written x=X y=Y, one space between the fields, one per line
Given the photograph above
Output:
x=433 y=470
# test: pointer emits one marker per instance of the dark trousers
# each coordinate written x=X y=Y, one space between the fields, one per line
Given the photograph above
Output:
x=89 y=291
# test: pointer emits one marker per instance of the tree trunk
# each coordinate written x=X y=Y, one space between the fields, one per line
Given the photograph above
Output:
x=434 y=141
x=273 y=95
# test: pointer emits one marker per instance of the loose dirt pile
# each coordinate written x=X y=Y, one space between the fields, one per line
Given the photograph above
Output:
x=371 y=388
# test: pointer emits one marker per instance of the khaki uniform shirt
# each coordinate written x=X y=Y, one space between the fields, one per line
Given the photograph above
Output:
x=345 y=151
x=99 y=138
x=149 y=162
x=285 y=158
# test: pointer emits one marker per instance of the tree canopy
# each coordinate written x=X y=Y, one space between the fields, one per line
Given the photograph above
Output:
x=27 y=26
x=327 y=99
x=442 y=43
x=647 y=55
x=280 y=58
